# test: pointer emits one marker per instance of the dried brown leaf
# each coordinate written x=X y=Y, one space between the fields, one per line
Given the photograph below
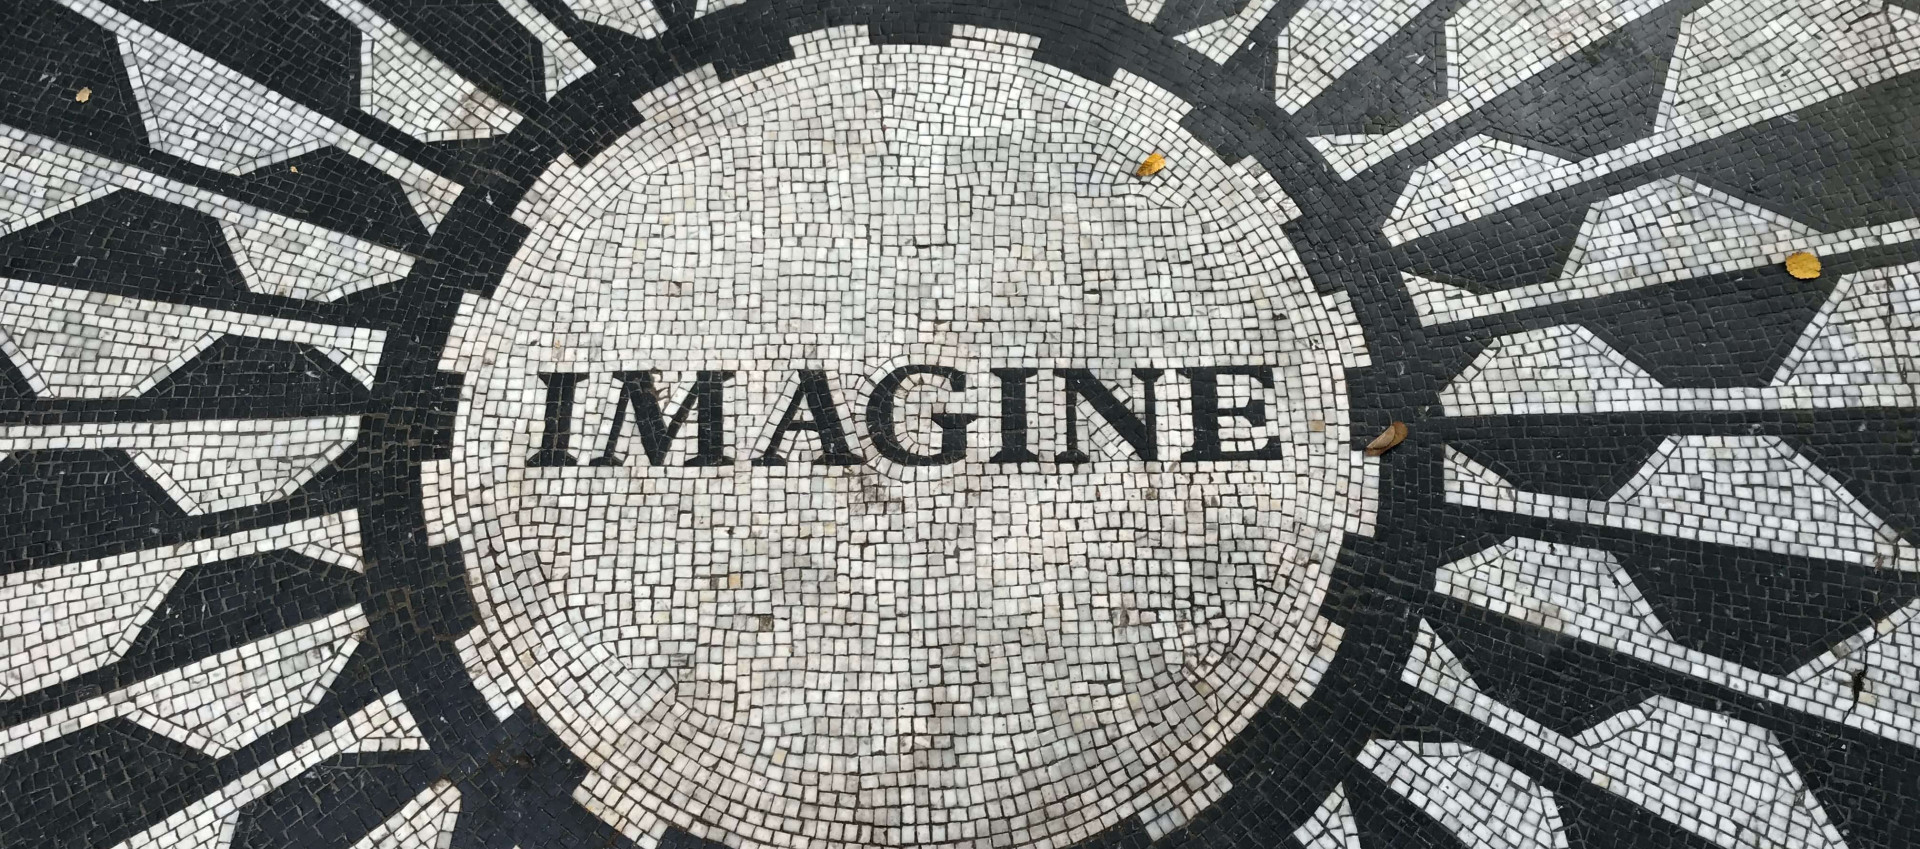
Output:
x=1393 y=435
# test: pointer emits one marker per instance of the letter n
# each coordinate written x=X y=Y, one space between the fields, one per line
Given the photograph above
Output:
x=1136 y=430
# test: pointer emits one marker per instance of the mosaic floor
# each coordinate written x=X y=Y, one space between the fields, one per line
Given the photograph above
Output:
x=1337 y=424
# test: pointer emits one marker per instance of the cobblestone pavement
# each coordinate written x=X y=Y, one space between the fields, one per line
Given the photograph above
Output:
x=1339 y=424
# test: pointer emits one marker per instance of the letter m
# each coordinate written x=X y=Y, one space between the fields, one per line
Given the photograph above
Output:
x=706 y=400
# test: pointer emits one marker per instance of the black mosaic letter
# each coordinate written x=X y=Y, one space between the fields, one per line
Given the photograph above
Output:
x=824 y=420
x=1138 y=430
x=656 y=434
x=1013 y=416
x=559 y=431
x=1207 y=413
x=953 y=426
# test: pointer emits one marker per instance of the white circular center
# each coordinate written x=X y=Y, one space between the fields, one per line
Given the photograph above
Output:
x=826 y=621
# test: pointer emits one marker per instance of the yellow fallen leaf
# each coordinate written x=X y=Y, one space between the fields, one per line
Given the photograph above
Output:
x=1393 y=435
x=1803 y=266
x=1152 y=165
x=83 y=95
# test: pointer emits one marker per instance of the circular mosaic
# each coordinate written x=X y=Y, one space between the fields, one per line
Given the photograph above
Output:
x=789 y=424
x=792 y=471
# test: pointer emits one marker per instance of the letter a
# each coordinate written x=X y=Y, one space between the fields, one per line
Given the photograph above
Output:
x=823 y=420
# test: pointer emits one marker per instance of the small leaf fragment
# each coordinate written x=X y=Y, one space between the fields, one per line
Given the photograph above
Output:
x=1151 y=165
x=1393 y=435
x=83 y=95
